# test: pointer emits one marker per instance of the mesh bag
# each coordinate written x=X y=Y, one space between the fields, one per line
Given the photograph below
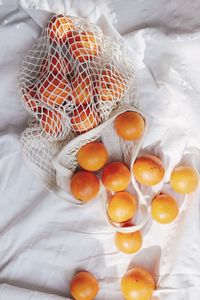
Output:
x=65 y=164
x=70 y=82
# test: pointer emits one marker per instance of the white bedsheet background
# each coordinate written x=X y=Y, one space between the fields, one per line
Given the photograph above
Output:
x=44 y=240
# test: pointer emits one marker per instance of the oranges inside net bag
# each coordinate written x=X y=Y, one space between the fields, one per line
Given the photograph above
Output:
x=70 y=82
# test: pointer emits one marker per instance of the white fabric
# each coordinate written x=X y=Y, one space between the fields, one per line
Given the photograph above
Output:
x=43 y=239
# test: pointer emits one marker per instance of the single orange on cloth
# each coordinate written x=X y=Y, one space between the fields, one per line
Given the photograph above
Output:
x=84 y=186
x=83 y=119
x=55 y=90
x=137 y=284
x=112 y=85
x=184 y=179
x=84 y=45
x=129 y=125
x=116 y=177
x=59 y=28
x=51 y=121
x=148 y=170
x=128 y=242
x=92 y=156
x=82 y=89
x=122 y=207
x=84 y=286
x=164 y=209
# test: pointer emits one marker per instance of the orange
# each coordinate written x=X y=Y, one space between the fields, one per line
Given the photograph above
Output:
x=116 y=177
x=55 y=90
x=83 y=119
x=164 y=209
x=184 y=179
x=59 y=28
x=92 y=156
x=83 y=46
x=82 y=89
x=51 y=121
x=84 y=186
x=84 y=286
x=137 y=284
x=128 y=242
x=55 y=63
x=111 y=86
x=129 y=125
x=122 y=207
x=148 y=170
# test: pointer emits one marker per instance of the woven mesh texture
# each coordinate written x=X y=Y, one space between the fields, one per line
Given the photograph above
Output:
x=70 y=82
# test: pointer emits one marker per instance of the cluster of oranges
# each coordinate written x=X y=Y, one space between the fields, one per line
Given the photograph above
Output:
x=148 y=170
x=72 y=80
x=69 y=85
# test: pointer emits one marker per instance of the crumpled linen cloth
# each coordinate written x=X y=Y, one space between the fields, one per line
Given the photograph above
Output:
x=44 y=240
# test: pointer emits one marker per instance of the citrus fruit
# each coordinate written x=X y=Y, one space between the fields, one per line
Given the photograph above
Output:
x=129 y=125
x=112 y=85
x=84 y=186
x=164 y=209
x=92 y=156
x=83 y=119
x=55 y=90
x=83 y=46
x=122 y=207
x=148 y=170
x=59 y=28
x=137 y=284
x=84 y=286
x=184 y=179
x=82 y=88
x=128 y=242
x=51 y=121
x=116 y=177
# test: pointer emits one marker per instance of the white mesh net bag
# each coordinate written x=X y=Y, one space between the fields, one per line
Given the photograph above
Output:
x=70 y=82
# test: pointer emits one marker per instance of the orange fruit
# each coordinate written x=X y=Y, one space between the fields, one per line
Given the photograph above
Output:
x=122 y=207
x=84 y=286
x=83 y=46
x=82 y=89
x=148 y=170
x=184 y=179
x=111 y=86
x=51 y=121
x=129 y=125
x=92 y=156
x=84 y=186
x=83 y=119
x=116 y=177
x=59 y=28
x=55 y=63
x=55 y=90
x=137 y=284
x=128 y=242
x=164 y=209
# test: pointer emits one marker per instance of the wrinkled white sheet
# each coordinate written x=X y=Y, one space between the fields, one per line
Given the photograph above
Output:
x=43 y=239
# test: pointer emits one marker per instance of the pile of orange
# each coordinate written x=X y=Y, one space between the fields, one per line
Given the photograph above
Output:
x=66 y=80
x=116 y=177
x=149 y=170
